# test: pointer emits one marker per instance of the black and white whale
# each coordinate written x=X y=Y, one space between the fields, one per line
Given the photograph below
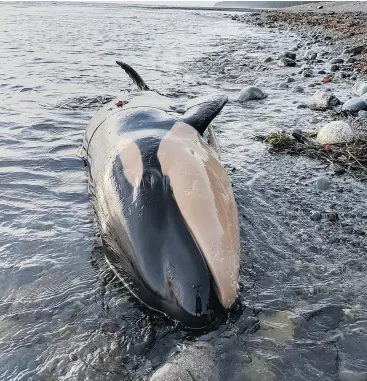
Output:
x=164 y=202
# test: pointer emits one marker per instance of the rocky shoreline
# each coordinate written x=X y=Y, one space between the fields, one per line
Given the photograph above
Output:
x=330 y=55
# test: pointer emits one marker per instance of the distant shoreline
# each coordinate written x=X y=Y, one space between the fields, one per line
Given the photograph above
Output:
x=126 y=5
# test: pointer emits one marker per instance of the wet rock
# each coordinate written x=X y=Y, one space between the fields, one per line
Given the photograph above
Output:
x=338 y=171
x=301 y=105
x=290 y=79
x=355 y=104
x=335 y=132
x=336 y=61
x=286 y=62
x=322 y=183
x=362 y=114
x=321 y=72
x=307 y=73
x=268 y=59
x=289 y=55
x=320 y=7
x=334 y=68
x=283 y=85
x=351 y=60
x=186 y=366
x=251 y=93
x=325 y=99
x=355 y=50
x=310 y=55
x=359 y=88
x=249 y=325
x=298 y=89
x=332 y=216
x=316 y=216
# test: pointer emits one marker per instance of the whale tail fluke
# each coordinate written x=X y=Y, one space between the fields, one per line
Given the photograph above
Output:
x=142 y=86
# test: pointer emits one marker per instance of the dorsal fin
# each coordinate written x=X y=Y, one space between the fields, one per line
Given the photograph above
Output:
x=134 y=76
x=203 y=110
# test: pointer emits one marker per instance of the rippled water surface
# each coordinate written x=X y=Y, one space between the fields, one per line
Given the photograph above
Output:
x=62 y=314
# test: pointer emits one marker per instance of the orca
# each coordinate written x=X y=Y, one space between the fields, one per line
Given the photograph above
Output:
x=164 y=202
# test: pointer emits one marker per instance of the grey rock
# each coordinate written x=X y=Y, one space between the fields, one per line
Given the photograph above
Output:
x=357 y=49
x=310 y=55
x=351 y=60
x=290 y=79
x=336 y=61
x=332 y=216
x=334 y=68
x=251 y=93
x=307 y=73
x=359 y=88
x=355 y=104
x=298 y=89
x=339 y=170
x=321 y=72
x=320 y=7
x=335 y=132
x=290 y=55
x=362 y=114
x=316 y=216
x=286 y=62
x=268 y=59
x=301 y=105
x=325 y=99
x=322 y=183
x=185 y=365
x=283 y=85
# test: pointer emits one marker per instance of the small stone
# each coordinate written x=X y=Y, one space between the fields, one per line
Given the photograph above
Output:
x=322 y=183
x=307 y=73
x=310 y=55
x=251 y=93
x=321 y=72
x=351 y=60
x=286 y=62
x=338 y=171
x=336 y=61
x=290 y=79
x=332 y=216
x=268 y=59
x=362 y=114
x=301 y=105
x=298 y=89
x=335 y=132
x=290 y=55
x=355 y=104
x=320 y=7
x=316 y=216
x=325 y=99
x=334 y=68
x=283 y=85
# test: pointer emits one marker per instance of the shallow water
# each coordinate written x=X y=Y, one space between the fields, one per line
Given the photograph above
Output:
x=62 y=314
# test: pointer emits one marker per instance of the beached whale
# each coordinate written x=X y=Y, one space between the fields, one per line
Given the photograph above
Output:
x=164 y=202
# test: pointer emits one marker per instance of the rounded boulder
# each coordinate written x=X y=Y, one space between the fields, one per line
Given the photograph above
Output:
x=335 y=132
x=251 y=93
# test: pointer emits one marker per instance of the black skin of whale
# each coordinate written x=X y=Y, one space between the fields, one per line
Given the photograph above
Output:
x=159 y=260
